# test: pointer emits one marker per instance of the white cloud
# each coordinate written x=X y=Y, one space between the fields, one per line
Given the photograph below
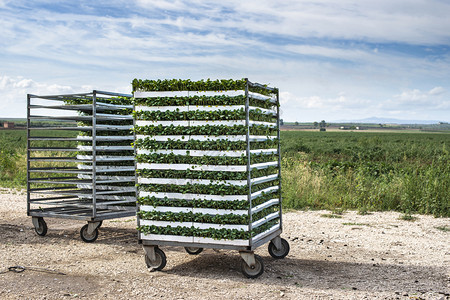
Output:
x=14 y=90
x=414 y=22
x=340 y=101
x=315 y=107
x=437 y=91
x=417 y=100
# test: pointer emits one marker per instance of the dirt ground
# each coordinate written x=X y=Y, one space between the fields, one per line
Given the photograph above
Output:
x=376 y=256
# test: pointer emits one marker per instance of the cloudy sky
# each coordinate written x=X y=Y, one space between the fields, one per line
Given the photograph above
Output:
x=332 y=60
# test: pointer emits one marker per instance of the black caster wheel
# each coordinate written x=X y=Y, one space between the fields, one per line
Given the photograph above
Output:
x=159 y=263
x=257 y=269
x=88 y=238
x=42 y=228
x=279 y=253
x=193 y=250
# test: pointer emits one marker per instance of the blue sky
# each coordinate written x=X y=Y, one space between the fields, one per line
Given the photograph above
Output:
x=332 y=60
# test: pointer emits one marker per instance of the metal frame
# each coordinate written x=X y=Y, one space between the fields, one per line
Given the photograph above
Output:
x=270 y=235
x=77 y=186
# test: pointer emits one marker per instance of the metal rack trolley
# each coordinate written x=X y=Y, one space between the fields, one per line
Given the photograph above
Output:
x=251 y=264
x=80 y=162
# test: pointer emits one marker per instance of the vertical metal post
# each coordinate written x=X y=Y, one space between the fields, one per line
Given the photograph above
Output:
x=279 y=156
x=138 y=207
x=28 y=153
x=94 y=154
x=249 y=176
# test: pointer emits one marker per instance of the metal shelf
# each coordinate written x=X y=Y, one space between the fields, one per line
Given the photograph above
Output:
x=76 y=187
x=273 y=203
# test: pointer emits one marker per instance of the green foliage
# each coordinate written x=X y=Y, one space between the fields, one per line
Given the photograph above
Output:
x=188 y=85
x=202 y=101
x=201 y=203
x=218 y=234
x=213 y=130
x=198 y=203
x=265 y=212
x=443 y=228
x=222 y=144
x=88 y=100
x=12 y=158
x=201 y=115
x=236 y=219
x=211 y=189
x=409 y=172
x=212 y=175
x=194 y=217
x=201 y=85
x=408 y=217
x=204 y=160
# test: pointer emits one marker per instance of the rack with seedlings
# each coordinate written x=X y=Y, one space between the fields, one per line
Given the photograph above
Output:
x=208 y=168
x=80 y=159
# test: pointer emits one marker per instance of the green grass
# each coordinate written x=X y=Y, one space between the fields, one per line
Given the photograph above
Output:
x=13 y=154
x=443 y=228
x=407 y=172
x=407 y=217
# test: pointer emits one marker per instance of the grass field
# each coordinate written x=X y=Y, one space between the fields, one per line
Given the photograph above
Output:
x=408 y=172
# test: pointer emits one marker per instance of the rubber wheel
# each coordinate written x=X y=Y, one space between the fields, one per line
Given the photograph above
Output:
x=281 y=253
x=254 y=272
x=42 y=228
x=193 y=250
x=159 y=263
x=88 y=238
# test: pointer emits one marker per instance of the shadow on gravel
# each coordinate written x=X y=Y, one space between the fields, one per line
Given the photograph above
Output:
x=70 y=231
x=316 y=274
x=25 y=234
x=225 y=264
x=63 y=232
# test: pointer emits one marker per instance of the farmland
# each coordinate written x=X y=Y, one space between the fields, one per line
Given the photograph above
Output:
x=409 y=172
x=366 y=171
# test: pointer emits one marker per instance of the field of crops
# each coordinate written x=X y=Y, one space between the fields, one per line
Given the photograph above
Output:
x=367 y=171
x=409 y=172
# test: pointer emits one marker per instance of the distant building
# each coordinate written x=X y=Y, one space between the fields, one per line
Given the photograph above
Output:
x=8 y=124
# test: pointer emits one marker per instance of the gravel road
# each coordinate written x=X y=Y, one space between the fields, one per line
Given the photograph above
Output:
x=375 y=256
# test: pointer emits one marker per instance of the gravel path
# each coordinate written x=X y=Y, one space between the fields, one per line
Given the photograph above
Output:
x=376 y=256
